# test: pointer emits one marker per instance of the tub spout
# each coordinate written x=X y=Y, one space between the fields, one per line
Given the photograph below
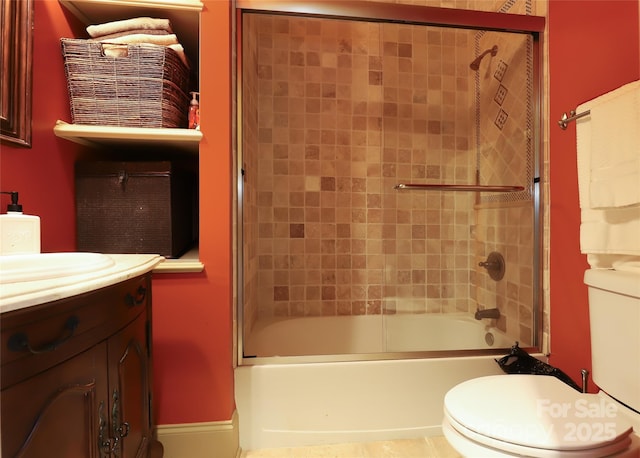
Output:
x=487 y=313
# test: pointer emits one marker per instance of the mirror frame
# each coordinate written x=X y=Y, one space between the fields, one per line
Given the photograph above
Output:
x=17 y=68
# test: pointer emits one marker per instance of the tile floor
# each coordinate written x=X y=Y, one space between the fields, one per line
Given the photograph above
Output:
x=427 y=447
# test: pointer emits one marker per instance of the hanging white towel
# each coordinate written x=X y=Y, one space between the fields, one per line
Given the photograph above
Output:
x=613 y=231
x=629 y=264
x=615 y=147
x=608 y=232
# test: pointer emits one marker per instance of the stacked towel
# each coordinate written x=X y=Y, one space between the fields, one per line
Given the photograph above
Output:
x=143 y=31
x=142 y=38
x=128 y=25
x=615 y=152
x=608 y=144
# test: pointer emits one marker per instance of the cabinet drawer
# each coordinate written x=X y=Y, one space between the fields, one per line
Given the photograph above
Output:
x=39 y=337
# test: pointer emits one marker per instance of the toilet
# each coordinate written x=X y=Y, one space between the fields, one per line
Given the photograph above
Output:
x=541 y=416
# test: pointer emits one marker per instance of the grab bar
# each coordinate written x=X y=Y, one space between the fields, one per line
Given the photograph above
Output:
x=459 y=187
x=572 y=117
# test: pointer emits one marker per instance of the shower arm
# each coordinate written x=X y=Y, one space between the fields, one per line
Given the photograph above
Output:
x=475 y=65
x=459 y=187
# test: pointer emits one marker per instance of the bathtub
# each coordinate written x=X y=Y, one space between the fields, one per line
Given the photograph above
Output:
x=335 y=335
x=297 y=401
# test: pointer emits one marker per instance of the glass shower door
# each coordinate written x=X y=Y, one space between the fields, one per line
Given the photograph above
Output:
x=384 y=167
x=462 y=193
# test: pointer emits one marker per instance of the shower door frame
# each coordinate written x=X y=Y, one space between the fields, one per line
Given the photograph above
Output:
x=412 y=15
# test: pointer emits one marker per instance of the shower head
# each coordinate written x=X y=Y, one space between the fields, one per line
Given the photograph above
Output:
x=475 y=65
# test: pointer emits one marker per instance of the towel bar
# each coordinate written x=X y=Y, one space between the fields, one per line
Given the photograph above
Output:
x=572 y=117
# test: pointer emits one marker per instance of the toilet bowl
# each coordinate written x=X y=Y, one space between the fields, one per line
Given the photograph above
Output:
x=536 y=416
x=541 y=416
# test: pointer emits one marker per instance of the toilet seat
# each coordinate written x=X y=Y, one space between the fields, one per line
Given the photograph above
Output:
x=504 y=449
x=537 y=416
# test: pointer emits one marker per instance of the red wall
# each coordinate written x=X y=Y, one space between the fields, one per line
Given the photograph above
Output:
x=594 y=47
x=43 y=174
x=193 y=313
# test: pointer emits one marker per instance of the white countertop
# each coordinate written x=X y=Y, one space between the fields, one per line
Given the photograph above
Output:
x=15 y=296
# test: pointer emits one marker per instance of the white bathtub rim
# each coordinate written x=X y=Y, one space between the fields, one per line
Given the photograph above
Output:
x=373 y=334
x=387 y=356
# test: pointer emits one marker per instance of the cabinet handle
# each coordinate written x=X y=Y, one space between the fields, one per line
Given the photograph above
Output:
x=20 y=341
x=123 y=429
x=120 y=430
x=132 y=301
x=104 y=444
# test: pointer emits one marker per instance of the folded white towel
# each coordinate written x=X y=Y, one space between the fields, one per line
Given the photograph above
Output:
x=140 y=23
x=615 y=147
x=139 y=38
x=606 y=234
x=627 y=263
x=130 y=32
x=612 y=231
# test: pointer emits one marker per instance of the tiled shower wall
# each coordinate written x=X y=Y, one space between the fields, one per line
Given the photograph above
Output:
x=347 y=110
x=344 y=111
x=505 y=157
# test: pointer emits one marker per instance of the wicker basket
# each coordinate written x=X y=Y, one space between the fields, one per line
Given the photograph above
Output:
x=146 y=88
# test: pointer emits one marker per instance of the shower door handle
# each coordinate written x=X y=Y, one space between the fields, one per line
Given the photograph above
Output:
x=458 y=187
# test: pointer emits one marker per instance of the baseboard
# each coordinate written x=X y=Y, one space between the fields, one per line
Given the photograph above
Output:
x=215 y=439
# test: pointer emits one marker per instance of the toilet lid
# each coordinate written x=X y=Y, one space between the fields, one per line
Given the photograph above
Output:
x=535 y=411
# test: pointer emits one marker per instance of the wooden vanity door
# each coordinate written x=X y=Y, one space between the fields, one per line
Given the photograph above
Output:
x=57 y=412
x=129 y=389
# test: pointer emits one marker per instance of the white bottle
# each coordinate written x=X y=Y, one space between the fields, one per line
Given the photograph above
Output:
x=19 y=233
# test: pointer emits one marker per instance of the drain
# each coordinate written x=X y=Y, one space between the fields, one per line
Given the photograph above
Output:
x=489 y=339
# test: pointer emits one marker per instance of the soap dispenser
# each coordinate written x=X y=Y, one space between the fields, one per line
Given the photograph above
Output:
x=19 y=233
x=194 y=111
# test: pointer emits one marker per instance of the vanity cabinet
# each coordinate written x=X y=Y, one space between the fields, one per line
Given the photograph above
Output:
x=76 y=376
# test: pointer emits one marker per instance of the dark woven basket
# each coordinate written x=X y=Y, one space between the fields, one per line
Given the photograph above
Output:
x=146 y=88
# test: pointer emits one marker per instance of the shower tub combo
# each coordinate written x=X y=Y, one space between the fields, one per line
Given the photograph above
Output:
x=295 y=401
x=361 y=228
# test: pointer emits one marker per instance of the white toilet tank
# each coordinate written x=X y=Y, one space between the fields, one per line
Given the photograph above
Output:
x=614 y=313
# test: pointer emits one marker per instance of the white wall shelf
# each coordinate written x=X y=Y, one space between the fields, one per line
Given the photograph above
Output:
x=184 y=16
x=183 y=140
x=188 y=263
